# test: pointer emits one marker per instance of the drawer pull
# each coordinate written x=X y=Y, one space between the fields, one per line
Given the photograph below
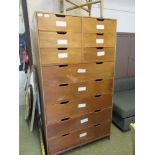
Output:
x=98 y=95
x=62 y=55
x=100 y=19
x=62 y=42
x=97 y=125
x=62 y=48
x=99 y=41
x=99 y=62
x=100 y=34
x=80 y=89
x=83 y=134
x=61 y=32
x=63 y=85
x=84 y=120
x=100 y=53
x=82 y=105
x=97 y=110
x=66 y=134
x=63 y=65
x=65 y=119
x=58 y=15
x=99 y=47
x=61 y=23
x=98 y=79
x=39 y=14
x=64 y=102
x=100 y=27
x=81 y=70
x=46 y=15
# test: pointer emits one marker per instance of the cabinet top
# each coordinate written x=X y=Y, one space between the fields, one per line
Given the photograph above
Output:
x=47 y=14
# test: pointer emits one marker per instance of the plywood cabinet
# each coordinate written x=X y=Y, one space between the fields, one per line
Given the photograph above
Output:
x=75 y=62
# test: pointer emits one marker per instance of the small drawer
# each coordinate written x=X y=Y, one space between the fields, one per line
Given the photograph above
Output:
x=57 y=22
x=98 y=25
x=64 y=91
x=56 y=111
x=60 y=55
x=77 y=72
x=98 y=54
x=68 y=140
x=69 y=124
x=59 y=39
x=99 y=40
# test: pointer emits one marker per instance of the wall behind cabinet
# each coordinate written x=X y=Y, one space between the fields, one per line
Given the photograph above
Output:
x=125 y=55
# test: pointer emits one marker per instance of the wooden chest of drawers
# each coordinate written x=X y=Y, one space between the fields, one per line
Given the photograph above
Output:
x=75 y=59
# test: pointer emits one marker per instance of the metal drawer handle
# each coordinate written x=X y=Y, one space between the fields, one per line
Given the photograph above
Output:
x=81 y=70
x=100 y=27
x=100 y=53
x=62 y=55
x=99 y=41
x=84 y=120
x=61 y=23
x=80 y=89
x=83 y=134
x=62 y=42
x=82 y=105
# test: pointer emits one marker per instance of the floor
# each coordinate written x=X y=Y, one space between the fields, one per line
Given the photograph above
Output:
x=119 y=144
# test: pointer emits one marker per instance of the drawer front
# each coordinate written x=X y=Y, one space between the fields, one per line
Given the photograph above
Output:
x=54 y=22
x=95 y=25
x=60 y=55
x=98 y=54
x=55 y=112
x=77 y=72
x=84 y=136
x=64 y=91
x=69 y=124
x=102 y=40
x=57 y=39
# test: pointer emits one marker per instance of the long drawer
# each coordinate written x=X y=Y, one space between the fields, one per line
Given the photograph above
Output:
x=71 y=140
x=59 y=92
x=68 y=125
x=98 y=25
x=55 y=112
x=57 y=22
x=98 y=54
x=99 y=40
x=60 y=55
x=77 y=72
x=59 y=39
